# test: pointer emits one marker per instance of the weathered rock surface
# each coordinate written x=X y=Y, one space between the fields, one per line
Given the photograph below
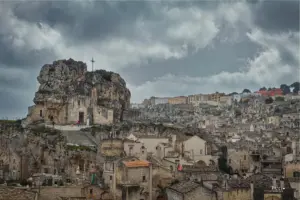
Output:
x=68 y=78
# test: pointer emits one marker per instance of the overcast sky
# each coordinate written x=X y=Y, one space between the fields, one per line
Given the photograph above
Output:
x=161 y=48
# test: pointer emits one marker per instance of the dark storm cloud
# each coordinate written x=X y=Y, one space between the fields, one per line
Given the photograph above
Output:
x=83 y=22
x=228 y=57
x=95 y=20
x=24 y=58
x=13 y=105
x=277 y=16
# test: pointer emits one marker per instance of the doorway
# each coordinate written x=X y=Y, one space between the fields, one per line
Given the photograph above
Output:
x=81 y=117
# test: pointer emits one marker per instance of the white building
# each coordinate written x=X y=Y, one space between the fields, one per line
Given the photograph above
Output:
x=160 y=100
x=137 y=105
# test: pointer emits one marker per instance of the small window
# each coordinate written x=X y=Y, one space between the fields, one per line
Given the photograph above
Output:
x=296 y=174
x=144 y=178
x=245 y=157
x=229 y=161
x=41 y=113
x=110 y=177
x=78 y=102
x=143 y=152
x=201 y=151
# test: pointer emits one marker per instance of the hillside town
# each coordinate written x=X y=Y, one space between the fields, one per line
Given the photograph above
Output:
x=84 y=139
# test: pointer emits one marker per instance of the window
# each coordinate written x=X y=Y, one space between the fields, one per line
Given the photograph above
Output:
x=144 y=178
x=296 y=174
x=245 y=157
x=41 y=113
x=229 y=161
x=78 y=102
x=143 y=152
x=201 y=151
x=110 y=177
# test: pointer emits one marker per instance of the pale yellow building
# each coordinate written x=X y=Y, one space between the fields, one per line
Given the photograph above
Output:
x=178 y=100
x=292 y=170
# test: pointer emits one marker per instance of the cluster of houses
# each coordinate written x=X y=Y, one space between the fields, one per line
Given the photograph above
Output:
x=214 y=98
x=246 y=150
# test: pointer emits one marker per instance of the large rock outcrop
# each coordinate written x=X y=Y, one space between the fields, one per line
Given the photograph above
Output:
x=64 y=79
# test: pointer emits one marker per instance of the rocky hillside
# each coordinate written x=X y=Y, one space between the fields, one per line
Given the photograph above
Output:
x=124 y=129
x=66 y=78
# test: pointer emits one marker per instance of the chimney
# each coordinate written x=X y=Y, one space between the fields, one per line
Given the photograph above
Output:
x=274 y=184
x=252 y=190
x=294 y=149
x=114 y=180
x=282 y=183
x=150 y=181
x=173 y=141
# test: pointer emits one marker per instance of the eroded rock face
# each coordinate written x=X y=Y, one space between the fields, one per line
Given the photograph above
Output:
x=65 y=79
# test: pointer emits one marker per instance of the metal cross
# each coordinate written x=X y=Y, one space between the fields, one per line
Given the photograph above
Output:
x=92 y=64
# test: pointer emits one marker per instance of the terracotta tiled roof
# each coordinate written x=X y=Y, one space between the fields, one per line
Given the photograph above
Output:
x=137 y=163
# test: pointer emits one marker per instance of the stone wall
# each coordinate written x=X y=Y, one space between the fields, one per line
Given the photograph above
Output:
x=52 y=193
x=11 y=193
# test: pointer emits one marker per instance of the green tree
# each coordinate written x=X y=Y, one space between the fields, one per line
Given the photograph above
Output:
x=263 y=89
x=279 y=98
x=269 y=100
x=285 y=89
x=246 y=91
x=232 y=93
x=296 y=86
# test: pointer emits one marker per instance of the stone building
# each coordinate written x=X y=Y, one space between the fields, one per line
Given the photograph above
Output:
x=178 y=100
x=10 y=164
x=215 y=96
x=68 y=93
x=239 y=160
x=197 y=99
x=160 y=100
x=190 y=190
x=135 y=179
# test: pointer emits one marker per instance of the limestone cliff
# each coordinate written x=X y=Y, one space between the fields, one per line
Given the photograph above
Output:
x=65 y=79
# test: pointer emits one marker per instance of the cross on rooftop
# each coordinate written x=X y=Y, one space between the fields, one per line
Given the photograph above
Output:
x=92 y=64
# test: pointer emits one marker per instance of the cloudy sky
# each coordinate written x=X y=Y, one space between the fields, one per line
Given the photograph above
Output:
x=161 y=48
